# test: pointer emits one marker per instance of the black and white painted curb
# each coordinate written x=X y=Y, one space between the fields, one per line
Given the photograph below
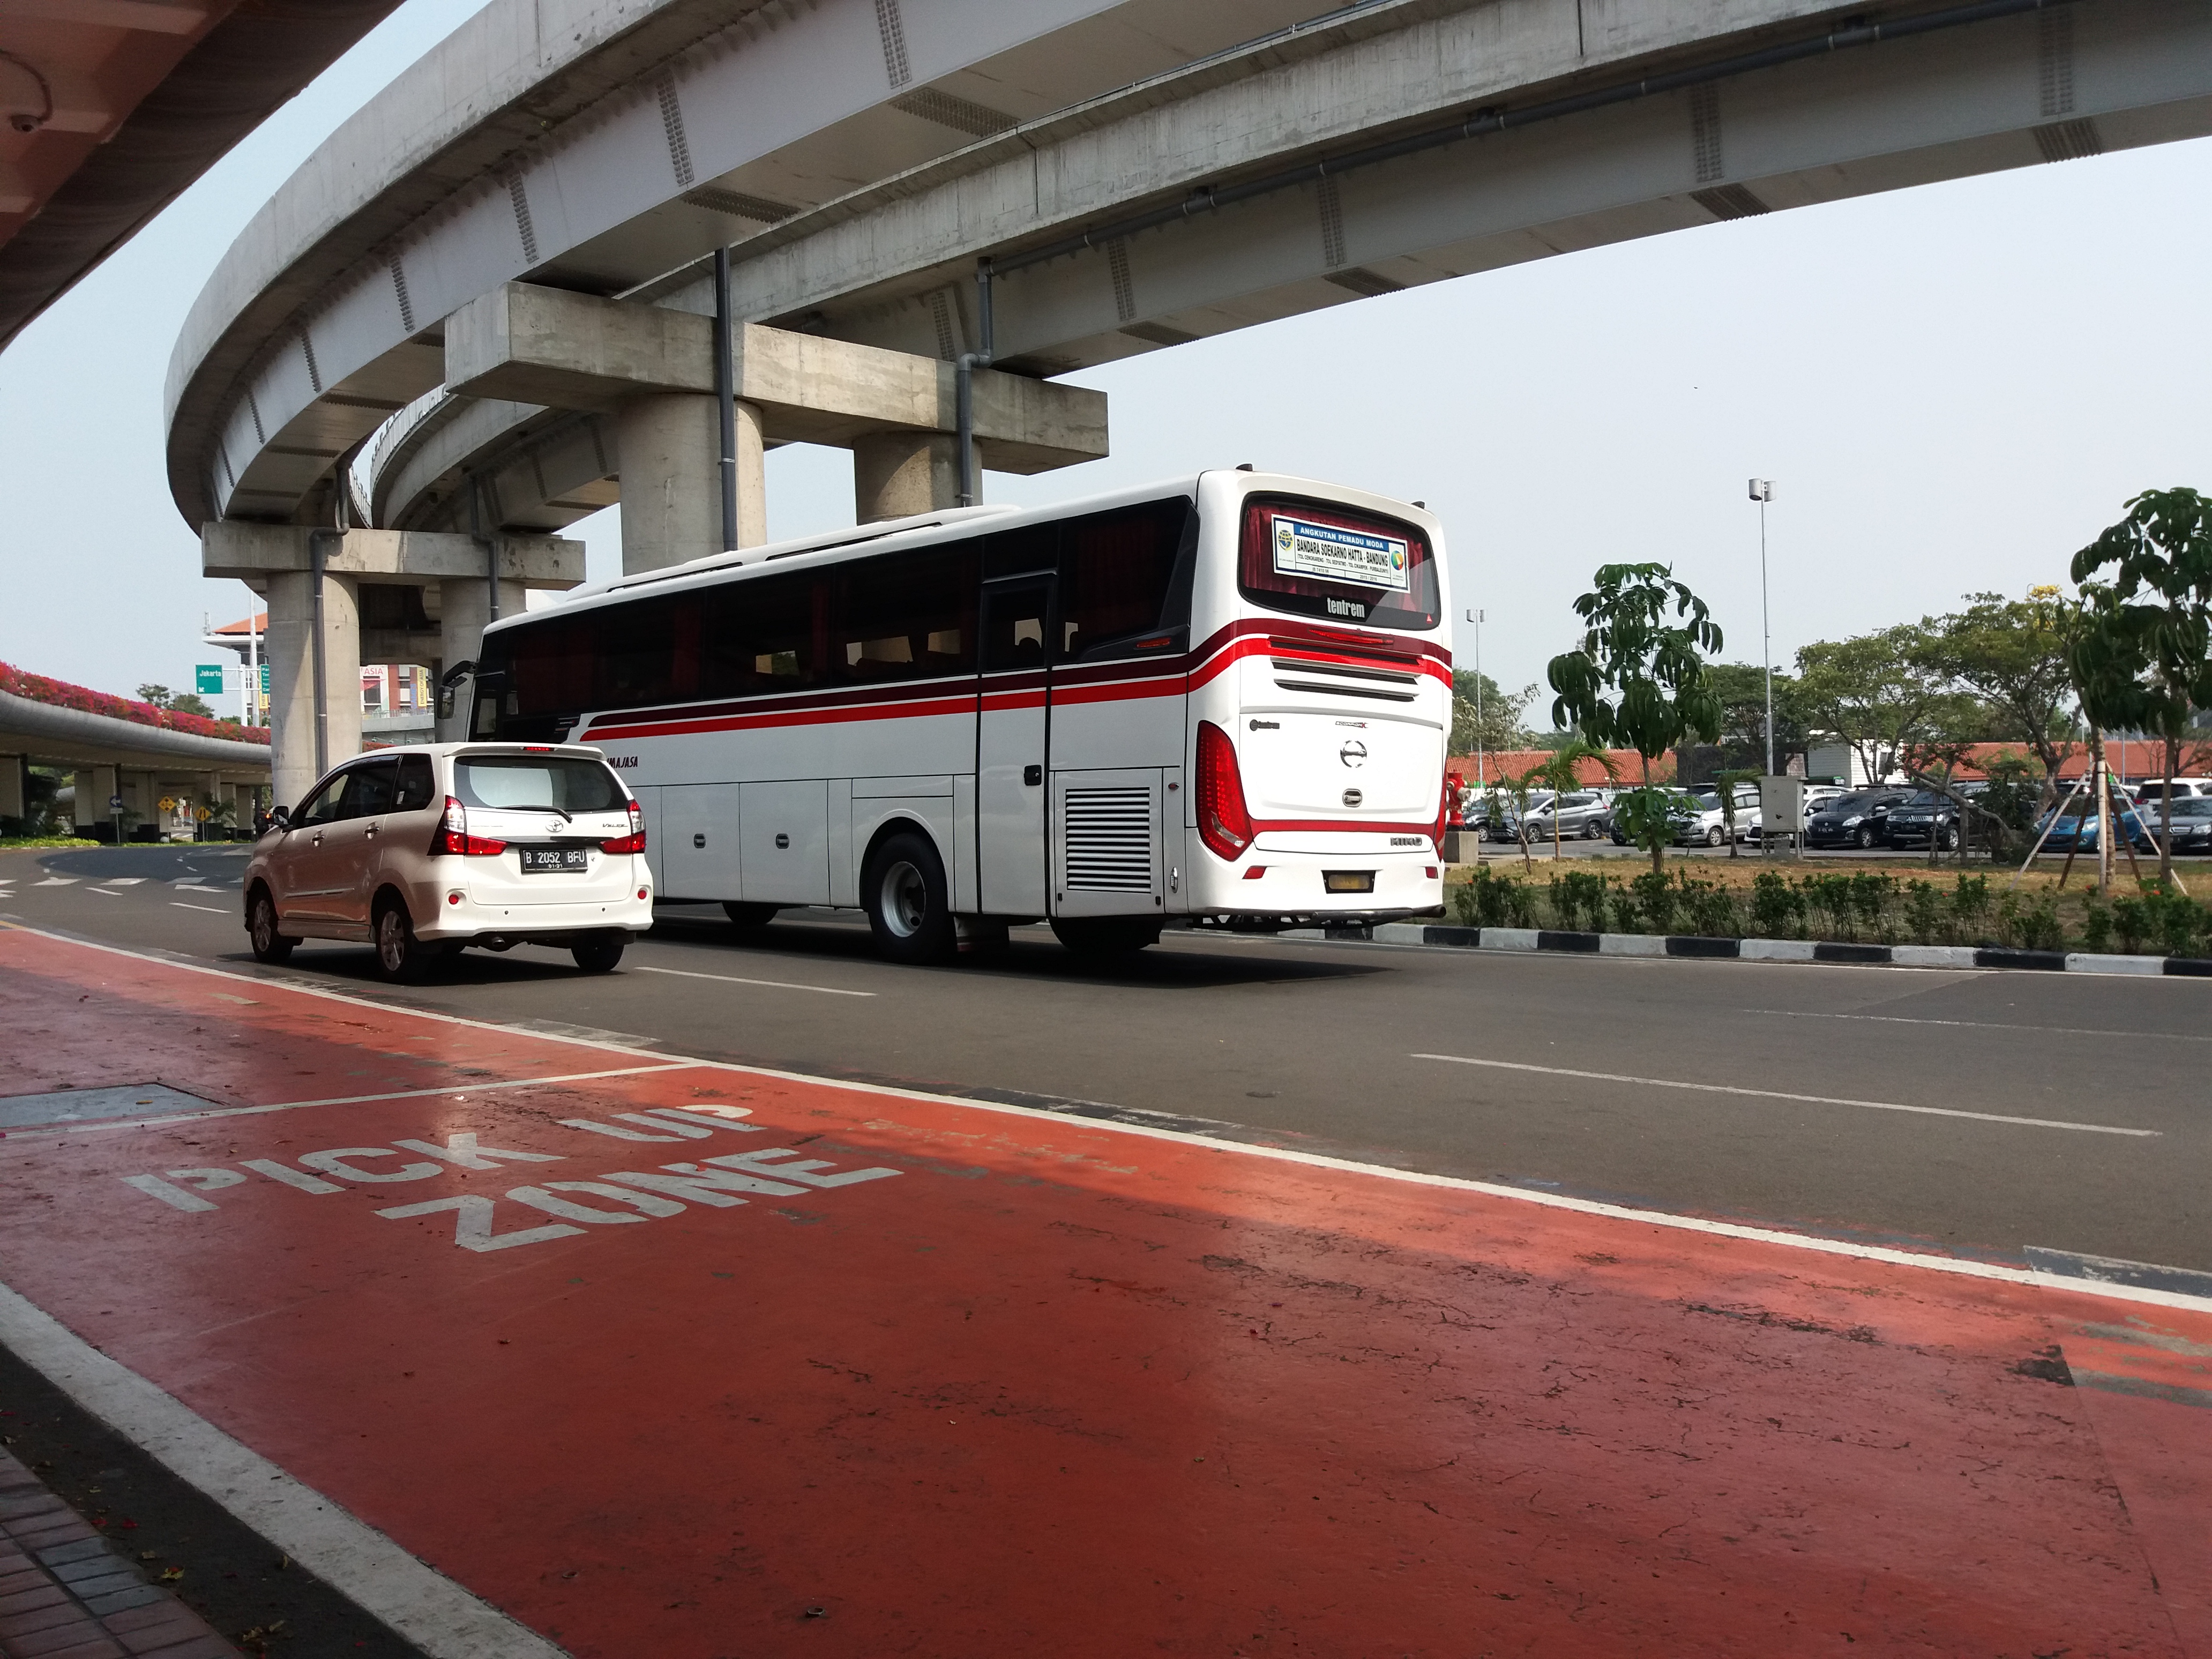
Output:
x=1759 y=950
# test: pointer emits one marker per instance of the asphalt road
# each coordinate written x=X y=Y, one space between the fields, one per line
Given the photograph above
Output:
x=1885 y=1103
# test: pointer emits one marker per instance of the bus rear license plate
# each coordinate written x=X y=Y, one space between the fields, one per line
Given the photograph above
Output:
x=1348 y=881
x=542 y=861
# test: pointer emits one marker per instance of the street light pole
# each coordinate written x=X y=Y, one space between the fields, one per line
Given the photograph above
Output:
x=1480 y=781
x=1762 y=491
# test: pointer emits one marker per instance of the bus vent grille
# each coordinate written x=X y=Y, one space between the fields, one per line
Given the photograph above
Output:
x=1110 y=840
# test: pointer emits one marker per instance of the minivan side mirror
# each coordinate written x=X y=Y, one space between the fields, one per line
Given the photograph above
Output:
x=280 y=817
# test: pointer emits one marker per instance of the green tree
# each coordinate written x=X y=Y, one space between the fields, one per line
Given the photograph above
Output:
x=191 y=703
x=159 y=695
x=1741 y=688
x=1562 y=775
x=2011 y=654
x=1876 y=692
x=1656 y=671
x=2143 y=656
x=1498 y=724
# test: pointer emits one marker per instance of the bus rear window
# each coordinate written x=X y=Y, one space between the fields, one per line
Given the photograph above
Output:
x=1337 y=566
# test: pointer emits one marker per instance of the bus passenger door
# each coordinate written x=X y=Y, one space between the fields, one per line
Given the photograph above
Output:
x=1011 y=728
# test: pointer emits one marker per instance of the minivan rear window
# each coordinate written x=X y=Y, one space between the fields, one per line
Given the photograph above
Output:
x=1315 y=560
x=566 y=783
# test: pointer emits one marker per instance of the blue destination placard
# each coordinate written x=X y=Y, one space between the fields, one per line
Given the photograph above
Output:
x=1306 y=548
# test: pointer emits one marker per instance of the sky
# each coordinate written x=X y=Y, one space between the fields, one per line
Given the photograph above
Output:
x=1953 y=388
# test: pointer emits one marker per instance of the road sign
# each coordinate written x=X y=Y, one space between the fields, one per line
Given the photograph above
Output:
x=115 y=803
x=264 y=678
x=208 y=678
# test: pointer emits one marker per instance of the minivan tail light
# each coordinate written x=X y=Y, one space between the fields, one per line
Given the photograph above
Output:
x=632 y=842
x=1224 y=824
x=453 y=836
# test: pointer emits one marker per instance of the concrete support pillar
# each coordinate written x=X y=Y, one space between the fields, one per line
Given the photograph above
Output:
x=293 y=728
x=11 y=786
x=898 y=474
x=671 y=451
x=464 y=608
x=93 y=785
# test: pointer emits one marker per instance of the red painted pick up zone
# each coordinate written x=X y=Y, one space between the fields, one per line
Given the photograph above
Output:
x=699 y=1361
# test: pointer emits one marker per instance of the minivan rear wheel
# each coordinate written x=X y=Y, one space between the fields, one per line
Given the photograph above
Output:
x=598 y=953
x=269 y=945
x=400 y=957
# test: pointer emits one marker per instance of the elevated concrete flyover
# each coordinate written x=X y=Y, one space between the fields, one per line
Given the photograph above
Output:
x=594 y=145
x=1406 y=143
x=113 y=759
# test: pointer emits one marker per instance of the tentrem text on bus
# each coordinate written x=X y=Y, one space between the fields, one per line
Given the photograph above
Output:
x=1219 y=701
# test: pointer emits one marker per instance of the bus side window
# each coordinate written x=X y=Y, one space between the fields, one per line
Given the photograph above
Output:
x=906 y=615
x=1116 y=571
x=757 y=636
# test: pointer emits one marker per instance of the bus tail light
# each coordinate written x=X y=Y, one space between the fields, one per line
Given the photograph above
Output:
x=1444 y=815
x=632 y=842
x=453 y=834
x=1223 y=822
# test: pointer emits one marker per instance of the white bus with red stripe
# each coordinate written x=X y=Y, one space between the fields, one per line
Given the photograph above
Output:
x=1222 y=701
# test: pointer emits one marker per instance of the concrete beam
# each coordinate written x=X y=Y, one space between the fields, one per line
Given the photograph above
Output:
x=526 y=344
x=254 y=552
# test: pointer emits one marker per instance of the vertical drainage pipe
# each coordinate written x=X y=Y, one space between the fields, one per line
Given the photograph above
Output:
x=318 y=546
x=490 y=547
x=726 y=396
x=964 y=387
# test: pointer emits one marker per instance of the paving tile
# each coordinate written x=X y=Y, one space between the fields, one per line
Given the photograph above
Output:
x=39 y=1596
x=80 y=1550
x=116 y=1576
x=209 y=1646
x=171 y=1623
x=98 y=1648
x=48 y=1534
x=21 y=1578
x=135 y=1596
x=62 y=1638
x=14 y=1626
x=16 y=1507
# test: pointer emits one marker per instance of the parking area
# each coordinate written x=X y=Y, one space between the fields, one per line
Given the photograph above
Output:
x=662 y=1356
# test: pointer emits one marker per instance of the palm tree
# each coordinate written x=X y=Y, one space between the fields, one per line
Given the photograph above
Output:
x=1562 y=774
x=1725 y=783
x=1519 y=790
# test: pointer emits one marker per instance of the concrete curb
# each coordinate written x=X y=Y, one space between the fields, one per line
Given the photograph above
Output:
x=1759 y=949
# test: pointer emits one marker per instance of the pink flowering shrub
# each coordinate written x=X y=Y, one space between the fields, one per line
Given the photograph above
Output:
x=37 y=688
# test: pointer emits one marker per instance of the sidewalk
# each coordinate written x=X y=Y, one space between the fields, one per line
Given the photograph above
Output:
x=659 y=1357
x=65 y=1593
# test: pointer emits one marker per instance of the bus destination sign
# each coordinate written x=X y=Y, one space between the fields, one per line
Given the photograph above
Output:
x=1305 y=549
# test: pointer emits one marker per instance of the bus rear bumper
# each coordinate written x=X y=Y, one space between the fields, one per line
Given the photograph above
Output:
x=1249 y=922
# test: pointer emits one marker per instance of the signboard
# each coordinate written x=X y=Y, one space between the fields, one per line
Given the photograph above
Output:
x=1305 y=549
x=265 y=679
x=208 y=678
x=115 y=803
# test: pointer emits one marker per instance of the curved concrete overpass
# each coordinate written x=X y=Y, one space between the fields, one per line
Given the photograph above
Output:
x=1385 y=146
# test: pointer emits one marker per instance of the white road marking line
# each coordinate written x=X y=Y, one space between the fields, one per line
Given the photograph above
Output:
x=1986 y=1025
x=101 y=891
x=123 y=881
x=179 y=904
x=772 y=984
x=56 y=881
x=424 y=1606
x=1809 y=1242
x=469 y=1087
x=1810 y=1100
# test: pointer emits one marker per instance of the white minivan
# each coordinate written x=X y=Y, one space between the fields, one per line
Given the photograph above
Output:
x=425 y=850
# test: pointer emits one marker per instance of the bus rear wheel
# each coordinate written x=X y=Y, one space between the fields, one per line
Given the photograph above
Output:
x=1100 y=936
x=909 y=907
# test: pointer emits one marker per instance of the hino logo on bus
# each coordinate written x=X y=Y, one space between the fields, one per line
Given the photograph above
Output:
x=1406 y=841
x=1267 y=725
x=1354 y=753
x=1353 y=798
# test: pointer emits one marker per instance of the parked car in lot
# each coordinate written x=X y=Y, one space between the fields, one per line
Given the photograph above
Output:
x=423 y=851
x=2072 y=828
x=1926 y=814
x=2192 y=824
x=1704 y=824
x=1580 y=814
x=1861 y=819
x=1505 y=821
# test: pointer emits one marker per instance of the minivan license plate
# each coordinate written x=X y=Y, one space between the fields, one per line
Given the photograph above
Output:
x=537 y=860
